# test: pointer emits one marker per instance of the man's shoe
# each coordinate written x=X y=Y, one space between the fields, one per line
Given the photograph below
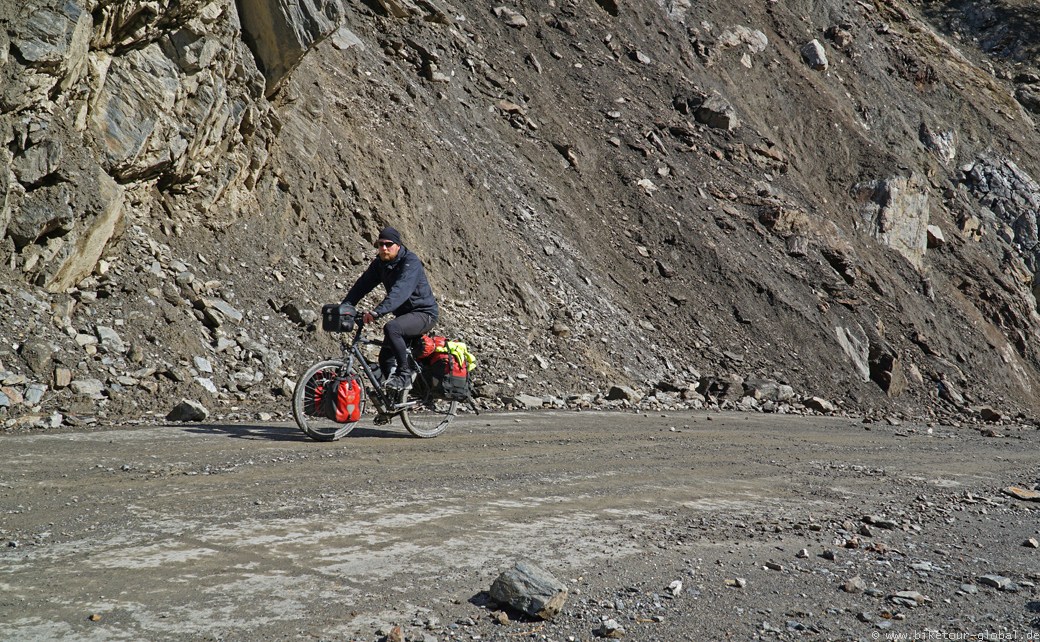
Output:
x=400 y=381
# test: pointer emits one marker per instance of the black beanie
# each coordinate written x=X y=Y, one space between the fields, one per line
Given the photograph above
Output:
x=390 y=234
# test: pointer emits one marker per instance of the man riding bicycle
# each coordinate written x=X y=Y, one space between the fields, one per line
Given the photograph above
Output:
x=408 y=296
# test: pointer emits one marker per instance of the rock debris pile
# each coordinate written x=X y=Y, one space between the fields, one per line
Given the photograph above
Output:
x=650 y=205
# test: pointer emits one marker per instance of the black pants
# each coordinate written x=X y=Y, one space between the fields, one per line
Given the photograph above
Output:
x=396 y=334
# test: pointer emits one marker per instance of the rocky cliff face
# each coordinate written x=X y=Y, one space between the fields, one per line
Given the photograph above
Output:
x=689 y=203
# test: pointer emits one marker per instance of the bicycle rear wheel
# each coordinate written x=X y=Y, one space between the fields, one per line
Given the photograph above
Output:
x=308 y=417
x=429 y=416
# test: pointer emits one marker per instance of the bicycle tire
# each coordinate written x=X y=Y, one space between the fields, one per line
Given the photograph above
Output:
x=315 y=426
x=430 y=415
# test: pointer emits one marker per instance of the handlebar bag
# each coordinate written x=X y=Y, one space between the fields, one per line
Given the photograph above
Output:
x=337 y=317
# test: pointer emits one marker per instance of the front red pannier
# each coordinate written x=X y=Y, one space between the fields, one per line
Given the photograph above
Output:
x=339 y=399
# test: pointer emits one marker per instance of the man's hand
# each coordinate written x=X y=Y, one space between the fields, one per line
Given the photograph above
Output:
x=368 y=318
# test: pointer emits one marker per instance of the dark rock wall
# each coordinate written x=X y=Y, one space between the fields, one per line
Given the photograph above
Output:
x=839 y=196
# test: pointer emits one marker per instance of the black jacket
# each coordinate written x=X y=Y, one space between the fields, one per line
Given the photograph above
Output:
x=404 y=278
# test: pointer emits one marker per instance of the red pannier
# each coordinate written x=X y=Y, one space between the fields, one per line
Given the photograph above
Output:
x=447 y=375
x=339 y=399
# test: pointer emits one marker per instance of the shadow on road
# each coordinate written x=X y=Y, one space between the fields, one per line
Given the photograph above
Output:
x=281 y=433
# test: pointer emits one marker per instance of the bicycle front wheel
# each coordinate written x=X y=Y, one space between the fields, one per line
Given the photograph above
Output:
x=429 y=416
x=308 y=416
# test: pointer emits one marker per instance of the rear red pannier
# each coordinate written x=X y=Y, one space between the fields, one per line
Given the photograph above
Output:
x=447 y=375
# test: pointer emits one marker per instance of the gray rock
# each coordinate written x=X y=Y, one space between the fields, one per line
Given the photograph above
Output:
x=301 y=316
x=999 y=582
x=56 y=38
x=528 y=402
x=881 y=522
x=281 y=32
x=103 y=205
x=855 y=343
x=819 y=404
x=854 y=585
x=38 y=161
x=531 y=590
x=511 y=17
x=34 y=393
x=62 y=377
x=943 y=145
x=43 y=211
x=767 y=390
x=344 y=38
x=896 y=210
x=88 y=388
x=910 y=599
x=716 y=112
x=38 y=356
x=131 y=113
x=109 y=340
x=610 y=628
x=203 y=365
x=207 y=385
x=815 y=55
x=935 y=237
x=623 y=393
x=188 y=410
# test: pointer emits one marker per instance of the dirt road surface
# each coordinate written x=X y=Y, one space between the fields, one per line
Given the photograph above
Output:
x=777 y=527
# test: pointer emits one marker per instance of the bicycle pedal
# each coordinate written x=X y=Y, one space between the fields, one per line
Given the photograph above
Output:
x=382 y=420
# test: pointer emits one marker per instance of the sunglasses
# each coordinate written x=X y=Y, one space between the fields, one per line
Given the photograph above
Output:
x=385 y=244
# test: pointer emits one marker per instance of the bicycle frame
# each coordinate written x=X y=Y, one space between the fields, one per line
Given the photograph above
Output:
x=385 y=402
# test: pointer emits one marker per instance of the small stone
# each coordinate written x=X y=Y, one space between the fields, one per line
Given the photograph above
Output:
x=610 y=629
x=909 y=599
x=737 y=582
x=675 y=588
x=511 y=17
x=1031 y=543
x=92 y=388
x=62 y=377
x=998 y=582
x=854 y=585
x=203 y=365
x=110 y=340
x=207 y=384
x=881 y=522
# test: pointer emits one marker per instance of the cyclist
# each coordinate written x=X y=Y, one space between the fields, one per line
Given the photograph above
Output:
x=408 y=297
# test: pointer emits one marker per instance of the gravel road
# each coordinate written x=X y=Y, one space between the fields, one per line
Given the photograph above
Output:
x=777 y=527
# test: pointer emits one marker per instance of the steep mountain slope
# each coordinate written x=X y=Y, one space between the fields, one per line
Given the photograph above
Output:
x=657 y=194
